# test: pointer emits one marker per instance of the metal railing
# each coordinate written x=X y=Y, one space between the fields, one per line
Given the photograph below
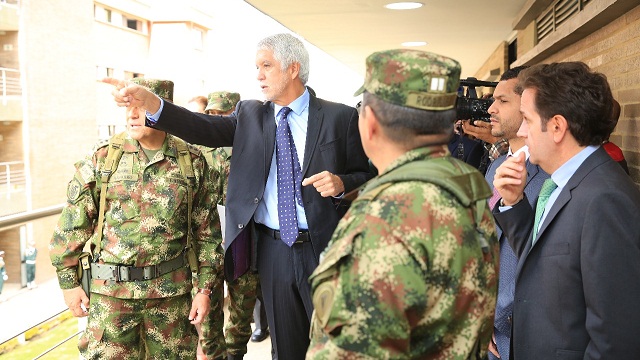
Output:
x=21 y=218
x=12 y=177
x=9 y=83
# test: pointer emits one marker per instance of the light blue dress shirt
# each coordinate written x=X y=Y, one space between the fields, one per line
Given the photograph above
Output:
x=267 y=212
x=562 y=175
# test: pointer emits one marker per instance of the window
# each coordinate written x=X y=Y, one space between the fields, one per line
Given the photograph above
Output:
x=133 y=24
x=102 y=14
x=128 y=75
x=512 y=52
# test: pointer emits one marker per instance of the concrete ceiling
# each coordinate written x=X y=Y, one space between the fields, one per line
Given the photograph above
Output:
x=349 y=30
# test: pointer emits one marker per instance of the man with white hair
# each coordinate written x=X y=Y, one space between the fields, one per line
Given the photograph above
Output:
x=275 y=222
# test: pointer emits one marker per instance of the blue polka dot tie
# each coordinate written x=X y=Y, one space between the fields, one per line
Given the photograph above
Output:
x=285 y=152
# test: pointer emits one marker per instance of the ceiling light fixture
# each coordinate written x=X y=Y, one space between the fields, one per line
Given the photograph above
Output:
x=414 y=43
x=407 y=5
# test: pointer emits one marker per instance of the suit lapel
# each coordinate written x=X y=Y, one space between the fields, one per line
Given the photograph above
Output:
x=587 y=166
x=314 y=124
x=268 y=136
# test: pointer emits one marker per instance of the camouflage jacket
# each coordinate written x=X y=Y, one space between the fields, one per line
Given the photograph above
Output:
x=404 y=276
x=219 y=160
x=145 y=220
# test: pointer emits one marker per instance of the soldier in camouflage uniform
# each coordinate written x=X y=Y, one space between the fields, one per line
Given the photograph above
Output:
x=236 y=336
x=244 y=293
x=411 y=270
x=141 y=280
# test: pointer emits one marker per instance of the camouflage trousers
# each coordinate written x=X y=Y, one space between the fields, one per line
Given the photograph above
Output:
x=212 y=336
x=242 y=299
x=139 y=328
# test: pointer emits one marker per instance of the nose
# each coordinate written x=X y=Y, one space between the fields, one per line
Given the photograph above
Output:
x=492 y=109
x=132 y=112
x=523 y=131
x=260 y=75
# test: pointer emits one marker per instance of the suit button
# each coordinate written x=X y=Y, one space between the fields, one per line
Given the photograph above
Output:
x=256 y=200
x=240 y=226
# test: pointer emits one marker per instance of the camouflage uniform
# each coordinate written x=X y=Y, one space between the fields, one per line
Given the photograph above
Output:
x=243 y=291
x=145 y=224
x=411 y=270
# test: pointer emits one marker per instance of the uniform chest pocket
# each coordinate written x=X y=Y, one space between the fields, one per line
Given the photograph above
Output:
x=167 y=196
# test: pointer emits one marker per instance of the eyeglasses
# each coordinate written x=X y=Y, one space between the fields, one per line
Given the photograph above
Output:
x=358 y=107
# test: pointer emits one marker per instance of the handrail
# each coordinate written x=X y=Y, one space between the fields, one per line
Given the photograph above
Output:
x=23 y=217
x=57 y=345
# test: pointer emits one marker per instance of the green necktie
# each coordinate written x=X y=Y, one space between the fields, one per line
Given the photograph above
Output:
x=543 y=198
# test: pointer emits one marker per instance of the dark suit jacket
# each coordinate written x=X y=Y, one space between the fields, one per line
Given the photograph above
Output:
x=578 y=289
x=508 y=258
x=332 y=144
x=471 y=152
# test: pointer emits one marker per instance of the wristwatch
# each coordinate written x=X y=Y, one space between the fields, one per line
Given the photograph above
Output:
x=204 y=291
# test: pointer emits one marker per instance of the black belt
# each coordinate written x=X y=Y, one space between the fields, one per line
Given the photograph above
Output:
x=131 y=273
x=303 y=235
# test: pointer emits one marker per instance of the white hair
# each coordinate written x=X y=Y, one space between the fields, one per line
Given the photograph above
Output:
x=288 y=49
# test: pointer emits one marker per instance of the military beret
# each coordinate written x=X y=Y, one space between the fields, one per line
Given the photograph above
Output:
x=222 y=101
x=162 y=88
x=412 y=78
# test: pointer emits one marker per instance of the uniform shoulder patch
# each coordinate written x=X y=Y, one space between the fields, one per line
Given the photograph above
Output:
x=323 y=298
x=73 y=190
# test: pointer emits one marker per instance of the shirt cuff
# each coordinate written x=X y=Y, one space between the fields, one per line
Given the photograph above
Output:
x=153 y=118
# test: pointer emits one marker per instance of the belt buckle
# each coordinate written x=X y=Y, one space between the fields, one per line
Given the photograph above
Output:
x=149 y=272
x=121 y=273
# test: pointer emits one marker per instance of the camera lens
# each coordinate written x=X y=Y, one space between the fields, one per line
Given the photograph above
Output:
x=473 y=109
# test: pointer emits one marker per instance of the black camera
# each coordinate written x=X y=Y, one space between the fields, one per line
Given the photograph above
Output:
x=468 y=106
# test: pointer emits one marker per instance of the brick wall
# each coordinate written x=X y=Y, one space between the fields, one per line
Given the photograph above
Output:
x=11 y=141
x=614 y=50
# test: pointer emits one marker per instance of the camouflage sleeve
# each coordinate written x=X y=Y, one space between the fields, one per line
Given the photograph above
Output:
x=76 y=224
x=221 y=164
x=205 y=225
x=378 y=291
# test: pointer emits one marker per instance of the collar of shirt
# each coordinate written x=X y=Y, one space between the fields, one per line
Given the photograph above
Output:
x=524 y=149
x=297 y=106
x=562 y=175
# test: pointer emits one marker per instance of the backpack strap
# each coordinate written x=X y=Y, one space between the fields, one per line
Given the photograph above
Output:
x=186 y=168
x=114 y=153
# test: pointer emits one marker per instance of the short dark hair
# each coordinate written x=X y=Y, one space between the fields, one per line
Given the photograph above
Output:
x=573 y=90
x=401 y=124
x=513 y=74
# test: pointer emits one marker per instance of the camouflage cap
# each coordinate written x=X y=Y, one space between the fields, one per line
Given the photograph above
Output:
x=162 y=88
x=412 y=78
x=222 y=101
